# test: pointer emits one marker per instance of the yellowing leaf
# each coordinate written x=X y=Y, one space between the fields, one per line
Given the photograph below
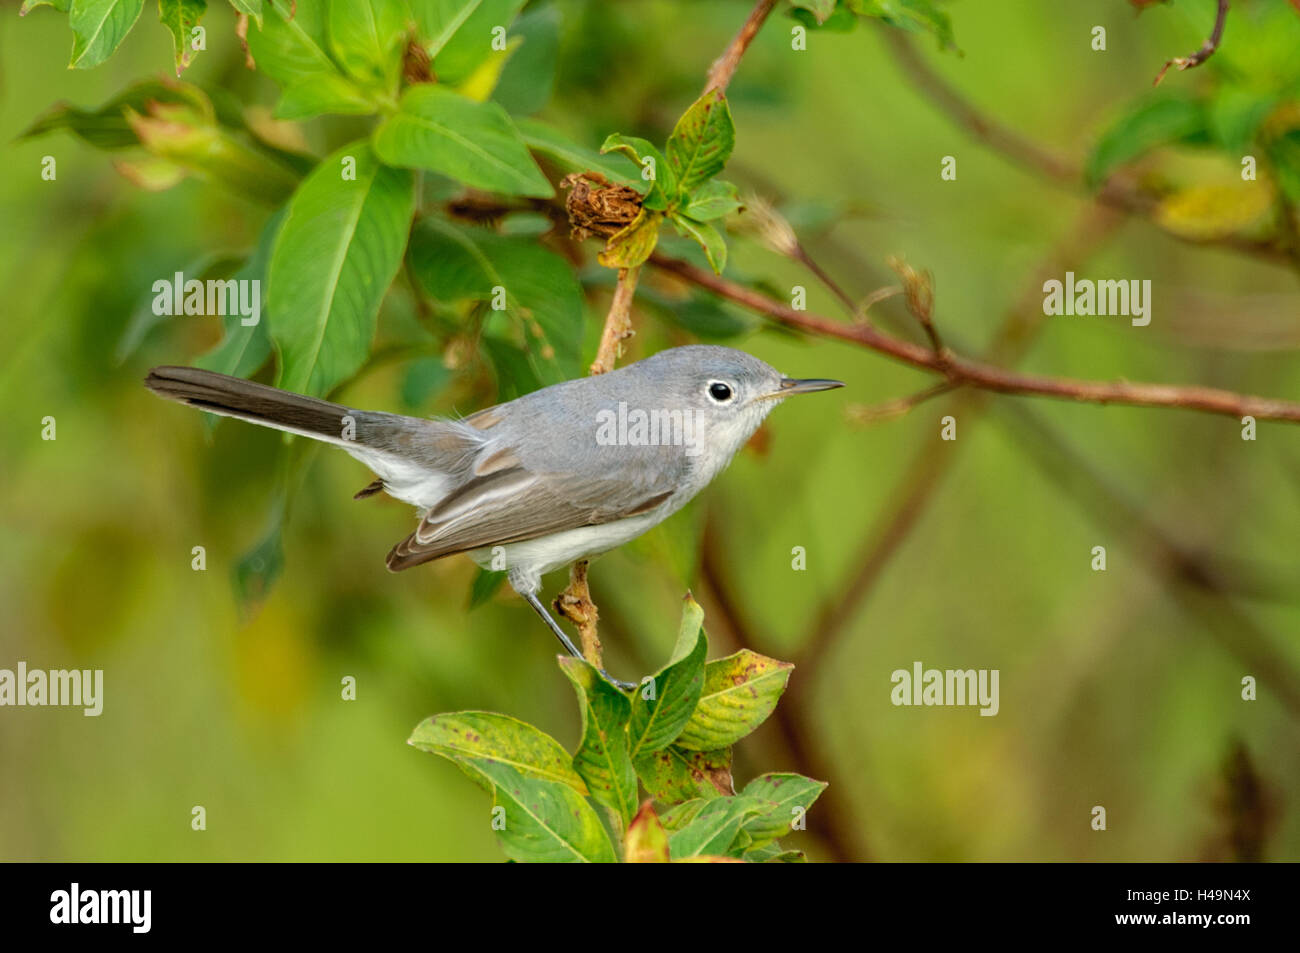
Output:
x=471 y=737
x=740 y=691
x=646 y=841
x=1205 y=212
x=632 y=245
x=479 y=85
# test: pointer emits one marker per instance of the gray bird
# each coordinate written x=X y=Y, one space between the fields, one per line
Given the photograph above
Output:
x=535 y=484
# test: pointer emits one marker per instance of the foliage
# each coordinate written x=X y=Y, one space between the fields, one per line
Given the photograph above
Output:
x=673 y=733
x=437 y=179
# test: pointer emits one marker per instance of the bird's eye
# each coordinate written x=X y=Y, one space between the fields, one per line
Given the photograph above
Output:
x=720 y=392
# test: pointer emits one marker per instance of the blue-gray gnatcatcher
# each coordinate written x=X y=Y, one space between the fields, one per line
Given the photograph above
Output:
x=542 y=481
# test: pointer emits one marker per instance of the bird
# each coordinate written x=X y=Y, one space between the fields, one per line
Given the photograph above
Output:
x=561 y=474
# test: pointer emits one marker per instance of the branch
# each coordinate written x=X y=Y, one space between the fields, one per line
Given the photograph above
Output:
x=1118 y=193
x=618 y=323
x=1205 y=52
x=965 y=114
x=724 y=66
x=962 y=370
x=575 y=604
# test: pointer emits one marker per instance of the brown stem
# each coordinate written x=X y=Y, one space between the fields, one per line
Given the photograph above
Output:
x=618 y=322
x=1207 y=48
x=575 y=604
x=984 y=376
x=724 y=67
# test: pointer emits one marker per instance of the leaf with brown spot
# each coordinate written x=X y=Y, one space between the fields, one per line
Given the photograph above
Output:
x=674 y=775
x=469 y=737
x=740 y=691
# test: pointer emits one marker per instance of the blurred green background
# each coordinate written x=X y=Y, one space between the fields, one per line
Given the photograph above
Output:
x=1119 y=689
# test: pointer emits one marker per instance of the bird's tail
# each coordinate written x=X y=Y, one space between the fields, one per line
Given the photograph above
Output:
x=414 y=458
x=257 y=403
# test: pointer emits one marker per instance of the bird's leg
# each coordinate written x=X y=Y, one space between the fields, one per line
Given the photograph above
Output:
x=575 y=604
x=552 y=624
x=531 y=599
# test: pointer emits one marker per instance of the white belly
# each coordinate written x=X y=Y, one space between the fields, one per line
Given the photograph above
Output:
x=529 y=560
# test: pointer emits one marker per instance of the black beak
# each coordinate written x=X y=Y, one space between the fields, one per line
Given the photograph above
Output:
x=790 y=385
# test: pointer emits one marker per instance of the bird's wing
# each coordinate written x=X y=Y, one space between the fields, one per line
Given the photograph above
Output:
x=507 y=503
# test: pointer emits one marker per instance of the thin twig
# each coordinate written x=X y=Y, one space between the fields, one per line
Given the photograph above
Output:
x=1119 y=192
x=618 y=322
x=724 y=67
x=987 y=376
x=898 y=406
x=1207 y=49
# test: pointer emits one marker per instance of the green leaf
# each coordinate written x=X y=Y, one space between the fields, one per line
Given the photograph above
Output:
x=774 y=853
x=368 y=39
x=702 y=141
x=820 y=9
x=712 y=831
x=710 y=239
x=541 y=296
x=180 y=17
x=98 y=27
x=458 y=34
x=107 y=127
x=480 y=84
x=674 y=775
x=633 y=244
x=713 y=200
x=787 y=792
x=244 y=348
x=655 y=169
x=472 y=738
x=916 y=16
x=146 y=317
x=293 y=52
x=1234 y=116
x=30 y=5
x=425 y=376
x=257 y=570
x=646 y=841
x=529 y=77
x=841 y=20
x=740 y=691
x=1155 y=122
x=549 y=141
x=474 y=143
x=706 y=317
x=662 y=705
x=602 y=759
x=544 y=821
x=338 y=251
x=679 y=815
x=485 y=585
x=251 y=7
